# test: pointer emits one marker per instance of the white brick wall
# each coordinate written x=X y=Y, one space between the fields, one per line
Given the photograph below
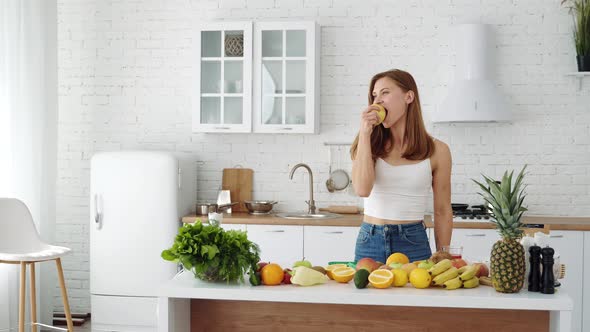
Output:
x=124 y=83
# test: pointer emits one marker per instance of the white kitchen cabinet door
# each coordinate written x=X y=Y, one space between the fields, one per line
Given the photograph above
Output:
x=585 y=281
x=569 y=245
x=222 y=77
x=323 y=244
x=477 y=243
x=237 y=227
x=278 y=244
x=286 y=77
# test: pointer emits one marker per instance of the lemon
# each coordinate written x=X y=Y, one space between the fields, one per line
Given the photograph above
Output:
x=343 y=274
x=380 y=113
x=329 y=269
x=381 y=278
x=420 y=278
x=397 y=257
x=400 y=277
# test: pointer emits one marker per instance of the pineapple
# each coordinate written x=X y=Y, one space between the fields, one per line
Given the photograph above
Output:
x=507 y=259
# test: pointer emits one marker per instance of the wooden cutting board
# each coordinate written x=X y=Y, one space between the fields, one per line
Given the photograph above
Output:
x=342 y=209
x=239 y=182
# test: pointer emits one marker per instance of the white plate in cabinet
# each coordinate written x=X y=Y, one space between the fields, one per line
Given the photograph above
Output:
x=286 y=77
x=222 y=77
x=278 y=244
x=323 y=244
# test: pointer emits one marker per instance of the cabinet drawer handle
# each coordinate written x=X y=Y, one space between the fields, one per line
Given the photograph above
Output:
x=276 y=231
x=475 y=235
x=556 y=236
x=223 y=128
x=334 y=232
x=286 y=128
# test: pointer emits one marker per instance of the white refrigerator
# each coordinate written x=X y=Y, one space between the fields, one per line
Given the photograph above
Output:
x=137 y=199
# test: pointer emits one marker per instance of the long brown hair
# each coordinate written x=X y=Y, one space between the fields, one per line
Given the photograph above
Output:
x=420 y=144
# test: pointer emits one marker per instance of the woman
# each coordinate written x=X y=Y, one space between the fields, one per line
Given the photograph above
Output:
x=395 y=164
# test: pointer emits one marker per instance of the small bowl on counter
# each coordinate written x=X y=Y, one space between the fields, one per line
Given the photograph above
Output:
x=259 y=207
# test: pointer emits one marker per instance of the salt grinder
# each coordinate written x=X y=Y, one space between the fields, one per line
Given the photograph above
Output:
x=534 y=279
x=547 y=280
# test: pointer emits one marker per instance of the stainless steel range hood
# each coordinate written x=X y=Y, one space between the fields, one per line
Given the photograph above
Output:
x=473 y=95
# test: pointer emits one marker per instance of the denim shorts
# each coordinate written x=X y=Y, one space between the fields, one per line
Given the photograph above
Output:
x=380 y=241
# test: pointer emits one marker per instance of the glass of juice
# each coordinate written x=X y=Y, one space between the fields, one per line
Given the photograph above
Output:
x=455 y=250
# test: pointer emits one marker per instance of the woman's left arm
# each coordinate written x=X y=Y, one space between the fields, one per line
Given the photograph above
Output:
x=441 y=188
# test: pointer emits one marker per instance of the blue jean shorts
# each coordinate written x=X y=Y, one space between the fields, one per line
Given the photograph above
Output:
x=380 y=241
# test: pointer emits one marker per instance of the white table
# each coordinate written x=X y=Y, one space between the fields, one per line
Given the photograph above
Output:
x=175 y=296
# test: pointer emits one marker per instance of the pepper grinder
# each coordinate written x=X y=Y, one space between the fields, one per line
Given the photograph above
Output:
x=535 y=269
x=547 y=280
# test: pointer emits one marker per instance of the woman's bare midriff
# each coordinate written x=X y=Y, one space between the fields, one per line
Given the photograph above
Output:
x=379 y=221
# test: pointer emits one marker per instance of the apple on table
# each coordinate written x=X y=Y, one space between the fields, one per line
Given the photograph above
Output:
x=483 y=271
x=302 y=262
x=368 y=264
x=288 y=273
x=458 y=262
x=425 y=264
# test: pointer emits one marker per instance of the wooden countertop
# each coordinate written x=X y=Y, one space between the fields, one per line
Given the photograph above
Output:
x=354 y=220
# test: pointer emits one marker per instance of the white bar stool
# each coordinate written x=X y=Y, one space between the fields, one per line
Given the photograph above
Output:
x=20 y=244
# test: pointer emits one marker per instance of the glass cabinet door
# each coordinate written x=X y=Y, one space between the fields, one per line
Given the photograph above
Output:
x=285 y=77
x=223 y=66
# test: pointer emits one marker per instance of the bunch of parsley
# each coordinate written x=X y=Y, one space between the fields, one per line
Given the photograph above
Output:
x=212 y=253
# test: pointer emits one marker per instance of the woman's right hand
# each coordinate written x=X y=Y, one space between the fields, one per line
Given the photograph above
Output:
x=369 y=119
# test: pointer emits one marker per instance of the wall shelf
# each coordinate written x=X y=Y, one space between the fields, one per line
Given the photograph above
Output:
x=580 y=76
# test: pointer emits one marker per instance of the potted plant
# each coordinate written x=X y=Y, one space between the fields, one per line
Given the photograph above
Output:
x=507 y=259
x=580 y=10
x=212 y=253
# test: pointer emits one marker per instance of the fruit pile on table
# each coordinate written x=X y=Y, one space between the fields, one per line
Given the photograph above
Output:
x=397 y=271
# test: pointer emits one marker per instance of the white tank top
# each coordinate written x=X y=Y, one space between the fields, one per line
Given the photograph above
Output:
x=400 y=192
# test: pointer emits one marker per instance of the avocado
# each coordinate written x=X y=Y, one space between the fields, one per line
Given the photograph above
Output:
x=361 y=278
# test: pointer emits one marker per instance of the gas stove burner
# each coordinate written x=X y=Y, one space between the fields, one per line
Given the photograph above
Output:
x=475 y=212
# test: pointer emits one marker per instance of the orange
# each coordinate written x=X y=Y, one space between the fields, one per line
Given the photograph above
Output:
x=330 y=268
x=381 y=278
x=343 y=274
x=272 y=274
x=397 y=257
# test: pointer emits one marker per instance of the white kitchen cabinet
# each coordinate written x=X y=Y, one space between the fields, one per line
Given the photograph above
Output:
x=323 y=244
x=477 y=243
x=286 y=77
x=222 y=71
x=278 y=244
x=585 y=281
x=237 y=227
x=569 y=245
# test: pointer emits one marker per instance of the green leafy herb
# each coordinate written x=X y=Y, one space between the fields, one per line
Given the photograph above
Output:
x=212 y=253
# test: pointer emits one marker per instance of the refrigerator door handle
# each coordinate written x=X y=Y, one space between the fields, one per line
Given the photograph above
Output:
x=97 y=218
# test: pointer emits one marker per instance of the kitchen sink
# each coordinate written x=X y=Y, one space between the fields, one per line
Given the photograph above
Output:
x=303 y=215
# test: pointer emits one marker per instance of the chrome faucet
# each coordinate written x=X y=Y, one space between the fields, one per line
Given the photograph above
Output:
x=311 y=202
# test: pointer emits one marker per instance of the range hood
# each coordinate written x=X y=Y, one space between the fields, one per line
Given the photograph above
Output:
x=473 y=95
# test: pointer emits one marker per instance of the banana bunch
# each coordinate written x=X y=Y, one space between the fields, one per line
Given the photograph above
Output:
x=449 y=277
